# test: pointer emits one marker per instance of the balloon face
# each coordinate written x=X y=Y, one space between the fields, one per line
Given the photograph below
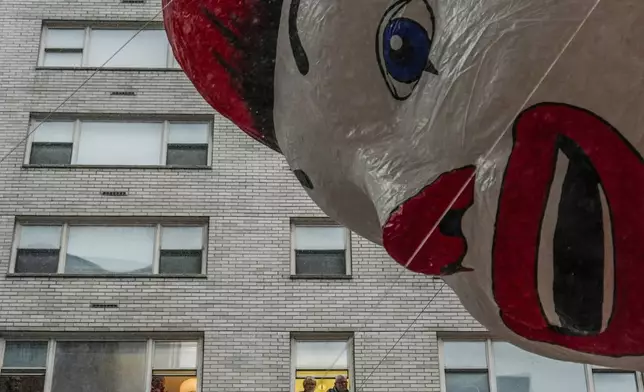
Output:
x=494 y=143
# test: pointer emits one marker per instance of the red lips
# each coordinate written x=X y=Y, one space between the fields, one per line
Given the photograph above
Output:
x=407 y=228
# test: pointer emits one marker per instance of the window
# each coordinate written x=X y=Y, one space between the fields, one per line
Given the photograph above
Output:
x=100 y=366
x=487 y=366
x=117 y=143
x=321 y=250
x=75 y=47
x=174 y=368
x=323 y=358
x=23 y=366
x=103 y=249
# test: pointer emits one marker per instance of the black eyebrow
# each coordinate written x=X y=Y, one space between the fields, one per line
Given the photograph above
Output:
x=301 y=59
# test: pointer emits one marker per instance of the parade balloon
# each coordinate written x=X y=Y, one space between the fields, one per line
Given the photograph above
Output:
x=494 y=143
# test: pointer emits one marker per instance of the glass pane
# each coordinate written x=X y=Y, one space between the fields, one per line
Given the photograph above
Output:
x=22 y=383
x=175 y=355
x=320 y=238
x=188 y=133
x=320 y=263
x=39 y=237
x=65 y=38
x=25 y=354
x=37 y=261
x=464 y=355
x=54 y=132
x=50 y=154
x=321 y=354
x=181 y=237
x=99 y=367
x=180 y=262
x=149 y=49
x=187 y=155
x=520 y=371
x=174 y=384
x=53 y=59
x=615 y=382
x=467 y=382
x=112 y=143
x=104 y=249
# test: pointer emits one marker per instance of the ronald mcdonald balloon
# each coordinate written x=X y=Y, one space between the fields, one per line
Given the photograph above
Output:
x=497 y=144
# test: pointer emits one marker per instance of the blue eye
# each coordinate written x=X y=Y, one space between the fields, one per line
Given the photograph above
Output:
x=406 y=48
x=404 y=45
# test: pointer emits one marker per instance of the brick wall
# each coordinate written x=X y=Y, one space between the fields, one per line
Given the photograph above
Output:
x=247 y=306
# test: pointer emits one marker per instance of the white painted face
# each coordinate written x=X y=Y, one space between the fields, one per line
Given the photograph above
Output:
x=385 y=108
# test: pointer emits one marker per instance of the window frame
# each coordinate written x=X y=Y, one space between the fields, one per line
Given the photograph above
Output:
x=589 y=370
x=149 y=352
x=322 y=337
x=171 y=63
x=319 y=222
x=158 y=225
x=35 y=121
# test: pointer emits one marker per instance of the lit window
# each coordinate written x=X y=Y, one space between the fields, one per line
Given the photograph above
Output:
x=117 y=143
x=323 y=359
x=72 y=248
x=467 y=363
x=321 y=250
x=93 y=46
x=174 y=368
x=23 y=367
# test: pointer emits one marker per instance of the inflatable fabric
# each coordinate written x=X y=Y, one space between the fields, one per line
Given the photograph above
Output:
x=495 y=143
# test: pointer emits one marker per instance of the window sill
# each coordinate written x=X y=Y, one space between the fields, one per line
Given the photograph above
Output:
x=322 y=277
x=127 y=167
x=131 y=69
x=104 y=276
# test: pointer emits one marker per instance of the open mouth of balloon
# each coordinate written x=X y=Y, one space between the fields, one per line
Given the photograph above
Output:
x=569 y=230
x=418 y=235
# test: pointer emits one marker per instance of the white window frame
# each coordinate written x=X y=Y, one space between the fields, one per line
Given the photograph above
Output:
x=149 y=353
x=64 y=233
x=171 y=64
x=323 y=337
x=589 y=370
x=165 y=129
x=299 y=222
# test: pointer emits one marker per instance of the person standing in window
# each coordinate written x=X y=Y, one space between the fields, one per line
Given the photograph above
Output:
x=309 y=384
x=340 y=385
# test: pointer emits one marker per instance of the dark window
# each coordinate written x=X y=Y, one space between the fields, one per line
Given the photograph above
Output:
x=51 y=154
x=23 y=368
x=187 y=155
x=180 y=262
x=99 y=367
x=320 y=262
x=38 y=249
x=320 y=250
x=37 y=260
x=466 y=381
